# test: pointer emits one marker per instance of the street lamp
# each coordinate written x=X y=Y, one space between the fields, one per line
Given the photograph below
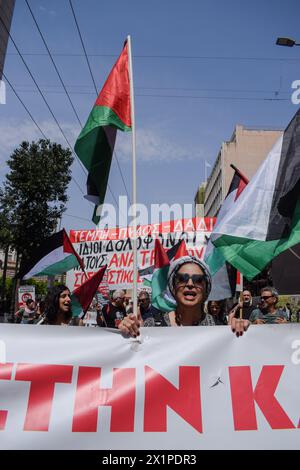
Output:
x=286 y=42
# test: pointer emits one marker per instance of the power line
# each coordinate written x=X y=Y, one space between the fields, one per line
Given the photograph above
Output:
x=24 y=105
x=54 y=65
x=176 y=57
x=43 y=134
x=92 y=76
x=35 y=82
x=75 y=216
x=65 y=90
x=31 y=117
x=41 y=93
x=39 y=90
x=62 y=83
x=230 y=98
x=83 y=46
x=231 y=90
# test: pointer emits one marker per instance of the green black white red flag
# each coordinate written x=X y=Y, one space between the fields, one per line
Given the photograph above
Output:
x=160 y=275
x=265 y=221
x=224 y=276
x=82 y=297
x=95 y=144
x=55 y=255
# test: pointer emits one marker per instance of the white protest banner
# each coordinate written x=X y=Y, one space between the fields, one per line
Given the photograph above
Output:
x=114 y=248
x=181 y=388
x=25 y=293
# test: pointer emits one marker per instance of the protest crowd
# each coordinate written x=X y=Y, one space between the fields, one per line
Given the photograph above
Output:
x=188 y=286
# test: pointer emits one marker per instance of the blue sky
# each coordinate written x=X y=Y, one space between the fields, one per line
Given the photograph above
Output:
x=207 y=66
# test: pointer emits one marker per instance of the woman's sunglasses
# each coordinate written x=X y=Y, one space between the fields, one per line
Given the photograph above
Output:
x=183 y=279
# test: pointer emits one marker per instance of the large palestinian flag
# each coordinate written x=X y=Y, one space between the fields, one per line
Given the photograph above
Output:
x=95 y=144
x=265 y=221
x=55 y=255
x=223 y=274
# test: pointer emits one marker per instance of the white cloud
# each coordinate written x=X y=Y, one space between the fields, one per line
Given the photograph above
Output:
x=154 y=147
x=45 y=10
x=13 y=132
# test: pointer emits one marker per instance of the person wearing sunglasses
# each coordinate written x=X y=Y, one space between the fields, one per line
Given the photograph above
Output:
x=188 y=286
x=267 y=311
x=113 y=312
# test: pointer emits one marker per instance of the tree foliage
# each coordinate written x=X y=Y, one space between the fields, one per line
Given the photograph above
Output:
x=34 y=194
x=41 y=287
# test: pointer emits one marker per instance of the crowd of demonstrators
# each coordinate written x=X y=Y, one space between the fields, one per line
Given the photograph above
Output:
x=189 y=285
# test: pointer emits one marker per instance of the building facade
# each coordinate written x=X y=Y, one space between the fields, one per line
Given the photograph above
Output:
x=199 y=200
x=6 y=13
x=246 y=149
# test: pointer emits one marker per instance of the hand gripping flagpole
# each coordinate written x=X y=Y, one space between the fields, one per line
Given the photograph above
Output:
x=133 y=177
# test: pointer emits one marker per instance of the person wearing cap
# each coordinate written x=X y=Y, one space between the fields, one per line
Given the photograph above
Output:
x=188 y=287
x=267 y=311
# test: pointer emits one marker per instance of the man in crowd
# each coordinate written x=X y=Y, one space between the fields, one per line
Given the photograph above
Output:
x=149 y=315
x=247 y=304
x=112 y=313
x=27 y=314
x=267 y=311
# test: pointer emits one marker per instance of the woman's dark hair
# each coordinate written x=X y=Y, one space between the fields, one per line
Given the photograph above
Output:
x=221 y=317
x=52 y=304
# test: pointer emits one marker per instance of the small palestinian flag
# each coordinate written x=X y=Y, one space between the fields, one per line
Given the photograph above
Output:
x=95 y=144
x=265 y=220
x=82 y=297
x=174 y=252
x=55 y=255
x=160 y=275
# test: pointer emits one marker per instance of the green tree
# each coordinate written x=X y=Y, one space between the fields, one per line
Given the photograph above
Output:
x=41 y=287
x=34 y=193
x=33 y=197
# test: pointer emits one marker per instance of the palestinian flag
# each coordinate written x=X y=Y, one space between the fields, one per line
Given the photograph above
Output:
x=95 y=144
x=223 y=274
x=55 y=255
x=265 y=221
x=82 y=297
x=147 y=273
x=159 y=278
